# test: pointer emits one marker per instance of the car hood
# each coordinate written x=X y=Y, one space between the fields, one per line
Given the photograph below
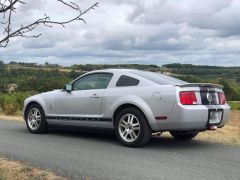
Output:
x=43 y=94
x=50 y=92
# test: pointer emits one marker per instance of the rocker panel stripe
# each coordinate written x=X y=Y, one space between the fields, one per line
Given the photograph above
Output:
x=69 y=118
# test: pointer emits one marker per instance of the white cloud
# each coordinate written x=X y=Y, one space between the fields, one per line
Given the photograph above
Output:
x=133 y=31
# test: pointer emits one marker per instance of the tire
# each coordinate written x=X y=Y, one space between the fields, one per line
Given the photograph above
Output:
x=132 y=128
x=35 y=119
x=184 y=135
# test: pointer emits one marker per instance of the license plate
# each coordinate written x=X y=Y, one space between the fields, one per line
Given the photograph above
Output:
x=215 y=117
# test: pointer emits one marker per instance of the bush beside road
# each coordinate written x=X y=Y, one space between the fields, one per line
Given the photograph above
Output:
x=10 y=104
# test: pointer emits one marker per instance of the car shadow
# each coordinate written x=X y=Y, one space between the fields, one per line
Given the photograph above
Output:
x=171 y=143
x=84 y=133
x=108 y=136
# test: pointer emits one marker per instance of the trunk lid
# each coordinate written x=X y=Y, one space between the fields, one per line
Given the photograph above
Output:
x=203 y=85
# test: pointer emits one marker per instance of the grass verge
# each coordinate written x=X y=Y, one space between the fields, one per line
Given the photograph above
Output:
x=16 y=117
x=17 y=171
x=229 y=134
x=235 y=105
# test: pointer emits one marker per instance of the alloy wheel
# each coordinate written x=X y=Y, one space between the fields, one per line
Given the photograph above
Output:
x=34 y=119
x=129 y=128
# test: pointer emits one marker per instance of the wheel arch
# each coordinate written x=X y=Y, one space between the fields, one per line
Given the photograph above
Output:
x=125 y=106
x=29 y=104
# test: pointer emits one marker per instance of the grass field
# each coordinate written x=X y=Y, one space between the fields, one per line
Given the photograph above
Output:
x=17 y=171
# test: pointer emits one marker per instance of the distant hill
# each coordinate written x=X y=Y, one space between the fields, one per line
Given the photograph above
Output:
x=37 y=77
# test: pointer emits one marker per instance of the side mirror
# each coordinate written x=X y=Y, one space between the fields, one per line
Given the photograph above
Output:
x=68 y=87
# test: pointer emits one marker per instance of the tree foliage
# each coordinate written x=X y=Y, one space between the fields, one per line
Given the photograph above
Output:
x=38 y=80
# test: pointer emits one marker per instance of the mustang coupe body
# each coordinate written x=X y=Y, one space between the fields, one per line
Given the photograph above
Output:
x=134 y=103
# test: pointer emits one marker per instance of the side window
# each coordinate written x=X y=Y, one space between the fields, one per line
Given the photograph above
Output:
x=93 y=81
x=127 y=81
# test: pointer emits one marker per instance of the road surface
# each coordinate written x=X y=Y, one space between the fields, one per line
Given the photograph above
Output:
x=81 y=155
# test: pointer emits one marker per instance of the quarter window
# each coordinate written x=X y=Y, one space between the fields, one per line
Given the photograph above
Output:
x=127 y=81
x=93 y=81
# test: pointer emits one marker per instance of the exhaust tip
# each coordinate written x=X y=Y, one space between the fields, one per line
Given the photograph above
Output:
x=212 y=127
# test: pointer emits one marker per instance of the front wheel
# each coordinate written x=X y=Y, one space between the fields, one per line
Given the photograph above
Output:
x=35 y=119
x=132 y=128
x=184 y=135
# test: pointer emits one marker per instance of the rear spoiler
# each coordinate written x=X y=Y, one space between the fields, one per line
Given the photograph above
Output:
x=207 y=85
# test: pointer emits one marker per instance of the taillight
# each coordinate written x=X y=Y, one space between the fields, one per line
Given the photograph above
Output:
x=222 y=99
x=188 y=98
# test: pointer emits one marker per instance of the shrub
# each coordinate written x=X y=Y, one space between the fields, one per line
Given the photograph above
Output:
x=8 y=104
x=11 y=103
x=20 y=97
x=1 y=99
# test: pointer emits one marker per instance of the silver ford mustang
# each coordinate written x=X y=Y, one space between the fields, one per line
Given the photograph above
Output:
x=134 y=103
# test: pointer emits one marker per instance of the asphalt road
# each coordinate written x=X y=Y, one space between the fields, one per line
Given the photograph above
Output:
x=81 y=155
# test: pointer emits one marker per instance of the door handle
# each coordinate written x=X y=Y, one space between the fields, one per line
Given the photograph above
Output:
x=95 y=96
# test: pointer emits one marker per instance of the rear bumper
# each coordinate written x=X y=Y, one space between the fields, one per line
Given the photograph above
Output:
x=194 y=117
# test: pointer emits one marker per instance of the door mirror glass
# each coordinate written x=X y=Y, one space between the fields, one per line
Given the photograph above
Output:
x=68 y=87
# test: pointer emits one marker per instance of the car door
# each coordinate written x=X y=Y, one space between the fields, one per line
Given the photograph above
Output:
x=86 y=97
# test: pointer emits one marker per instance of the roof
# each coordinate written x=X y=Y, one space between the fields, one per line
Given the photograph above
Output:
x=115 y=70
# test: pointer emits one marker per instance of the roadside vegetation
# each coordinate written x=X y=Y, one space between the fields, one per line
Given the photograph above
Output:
x=235 y=105
x=17 y=171
x=10 y=103
x=20 y=80
x=229 y=134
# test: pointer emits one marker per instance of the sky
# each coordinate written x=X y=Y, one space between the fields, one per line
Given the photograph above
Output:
x=132 y=31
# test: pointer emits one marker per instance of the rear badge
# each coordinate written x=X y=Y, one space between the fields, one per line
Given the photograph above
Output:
x=209 y=98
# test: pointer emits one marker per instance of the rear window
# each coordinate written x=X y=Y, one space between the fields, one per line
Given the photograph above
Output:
x=127 y=81
x=159 y=78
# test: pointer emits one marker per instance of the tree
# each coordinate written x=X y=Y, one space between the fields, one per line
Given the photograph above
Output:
x=8 y=10
x=230 y=93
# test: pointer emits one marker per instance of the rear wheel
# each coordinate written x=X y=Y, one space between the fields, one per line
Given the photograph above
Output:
x=184 y=135
x=35 y=119
x=132 y=128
